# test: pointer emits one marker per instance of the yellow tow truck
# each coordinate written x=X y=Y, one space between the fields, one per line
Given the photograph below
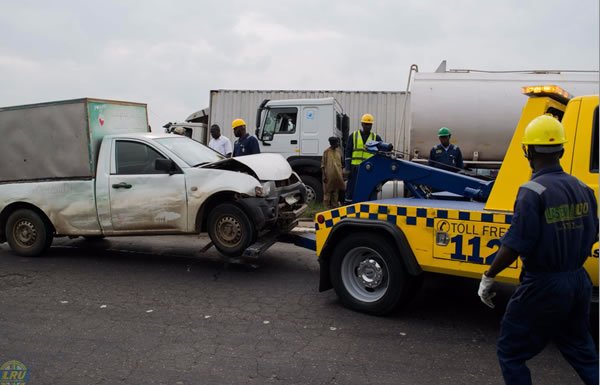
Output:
x=374 y=252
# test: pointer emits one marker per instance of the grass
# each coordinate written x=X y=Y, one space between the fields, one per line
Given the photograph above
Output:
x=313 y=208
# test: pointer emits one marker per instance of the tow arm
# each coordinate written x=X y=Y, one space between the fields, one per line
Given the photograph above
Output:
x=383 y=166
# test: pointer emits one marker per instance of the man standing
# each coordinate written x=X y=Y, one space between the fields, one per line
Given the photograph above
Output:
x=331 y=169
x=356 y=151
x=246 y=144
x=553 y=229
x=218 y=142
x=446 y=155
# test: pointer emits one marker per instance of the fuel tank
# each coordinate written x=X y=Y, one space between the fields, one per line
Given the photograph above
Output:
x=480 y=108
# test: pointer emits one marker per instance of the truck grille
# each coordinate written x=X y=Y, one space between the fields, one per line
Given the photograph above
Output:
x=293 y=179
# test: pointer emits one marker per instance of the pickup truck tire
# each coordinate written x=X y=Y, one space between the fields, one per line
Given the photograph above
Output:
x=230 y=229
x=314 y=188
x=27 y=233
x=367 y=274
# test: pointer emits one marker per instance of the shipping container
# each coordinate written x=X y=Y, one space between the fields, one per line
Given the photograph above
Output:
x=387 y=107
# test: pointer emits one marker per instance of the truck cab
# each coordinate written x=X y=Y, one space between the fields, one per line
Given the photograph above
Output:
x=299 y=130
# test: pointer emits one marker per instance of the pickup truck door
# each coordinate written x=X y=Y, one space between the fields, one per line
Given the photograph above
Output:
x=142 y=198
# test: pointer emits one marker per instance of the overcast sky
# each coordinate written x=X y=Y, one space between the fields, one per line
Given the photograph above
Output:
x=169 y=54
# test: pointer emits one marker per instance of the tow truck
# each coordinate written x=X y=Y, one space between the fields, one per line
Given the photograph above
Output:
x=373 y=253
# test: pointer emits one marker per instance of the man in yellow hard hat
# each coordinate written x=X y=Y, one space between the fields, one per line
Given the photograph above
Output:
x=246 y=143
x=356 y=151
x=553 y=229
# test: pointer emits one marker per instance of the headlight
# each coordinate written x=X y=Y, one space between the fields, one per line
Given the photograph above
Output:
x=258 y=191
x=268 y=187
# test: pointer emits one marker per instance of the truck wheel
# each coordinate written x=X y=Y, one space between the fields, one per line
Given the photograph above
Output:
x=367 y=274
x=230 y=229
x=27 y=233
x=314 y=188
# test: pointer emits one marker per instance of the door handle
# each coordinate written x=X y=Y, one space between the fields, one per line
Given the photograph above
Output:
x=293 y=141
x=122 y=185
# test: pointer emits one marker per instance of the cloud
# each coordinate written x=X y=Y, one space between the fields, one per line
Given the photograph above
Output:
x=171 y=54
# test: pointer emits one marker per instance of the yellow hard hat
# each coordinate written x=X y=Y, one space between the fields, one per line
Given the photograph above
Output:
x=237 y=122
x=367 y=118
x=544 y=131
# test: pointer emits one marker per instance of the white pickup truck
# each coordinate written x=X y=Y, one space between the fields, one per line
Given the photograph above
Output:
x=91 y=168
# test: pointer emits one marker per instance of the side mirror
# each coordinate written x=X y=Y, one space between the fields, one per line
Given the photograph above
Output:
x=165 y=165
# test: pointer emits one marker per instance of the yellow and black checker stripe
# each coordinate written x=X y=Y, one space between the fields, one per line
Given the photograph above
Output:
x=406 y=215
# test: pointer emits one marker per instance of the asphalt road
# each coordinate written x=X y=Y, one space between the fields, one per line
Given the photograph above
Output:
x=155 y=311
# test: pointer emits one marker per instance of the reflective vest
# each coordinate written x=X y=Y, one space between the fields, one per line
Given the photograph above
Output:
x=358 y=148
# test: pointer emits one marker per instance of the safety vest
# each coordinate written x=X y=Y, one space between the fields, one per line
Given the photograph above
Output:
x=358 y=149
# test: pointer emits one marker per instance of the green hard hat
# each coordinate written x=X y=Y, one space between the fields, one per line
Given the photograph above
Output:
x=444 y=131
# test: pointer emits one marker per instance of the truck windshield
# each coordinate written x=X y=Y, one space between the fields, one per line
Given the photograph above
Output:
x=193 y=153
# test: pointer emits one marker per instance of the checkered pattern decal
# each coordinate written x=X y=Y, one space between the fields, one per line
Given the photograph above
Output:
x=401 y=215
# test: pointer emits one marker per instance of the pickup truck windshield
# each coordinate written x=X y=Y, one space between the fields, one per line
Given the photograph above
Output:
x=192 y=152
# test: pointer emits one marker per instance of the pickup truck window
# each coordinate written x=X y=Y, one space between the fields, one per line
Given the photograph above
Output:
x=191 y=152
x=133 y=158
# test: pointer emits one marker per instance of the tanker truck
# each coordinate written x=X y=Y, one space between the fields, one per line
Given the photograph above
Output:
x=480 y=107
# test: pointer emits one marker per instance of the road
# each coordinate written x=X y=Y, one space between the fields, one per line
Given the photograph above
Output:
x=156 y=311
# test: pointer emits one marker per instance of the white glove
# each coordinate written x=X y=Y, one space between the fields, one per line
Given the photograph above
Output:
x=485 y=292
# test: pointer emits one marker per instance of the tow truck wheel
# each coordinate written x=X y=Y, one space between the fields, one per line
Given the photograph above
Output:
x=367 y=274
x=27 y=233
x=314 y=189
x=230 y=229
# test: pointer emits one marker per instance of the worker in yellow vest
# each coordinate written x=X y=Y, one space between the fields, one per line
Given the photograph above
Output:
x=355 y=152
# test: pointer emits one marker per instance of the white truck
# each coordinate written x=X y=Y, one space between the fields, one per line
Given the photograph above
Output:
x=299 y=130
x=91 y=168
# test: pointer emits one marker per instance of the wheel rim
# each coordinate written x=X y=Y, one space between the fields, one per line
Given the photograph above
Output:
x=311 y=195
x=24 y=233
x=365 y=274
x=229 y=231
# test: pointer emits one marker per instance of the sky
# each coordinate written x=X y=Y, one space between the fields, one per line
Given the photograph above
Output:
x=170 y=54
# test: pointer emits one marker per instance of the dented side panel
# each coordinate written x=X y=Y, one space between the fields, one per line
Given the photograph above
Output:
x=69 y=205
x=152 y=203
x=203 y=183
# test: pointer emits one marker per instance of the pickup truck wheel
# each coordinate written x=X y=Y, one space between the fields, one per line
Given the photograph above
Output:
x=27 y=233
x=314 y=188
x=230 y=229
x=367 y=274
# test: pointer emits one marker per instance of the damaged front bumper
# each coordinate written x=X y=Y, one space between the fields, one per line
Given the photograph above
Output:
x=292 y=204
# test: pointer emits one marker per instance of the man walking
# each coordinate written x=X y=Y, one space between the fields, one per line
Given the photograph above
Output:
x=446 y=155
x=554 y=226
x=331 y=169
x=246 y=143
x=218 y=142
x=356 y=151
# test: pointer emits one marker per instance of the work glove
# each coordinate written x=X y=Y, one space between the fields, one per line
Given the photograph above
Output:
x=484 y=292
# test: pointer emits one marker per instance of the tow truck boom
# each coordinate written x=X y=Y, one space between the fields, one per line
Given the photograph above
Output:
x=383 y=166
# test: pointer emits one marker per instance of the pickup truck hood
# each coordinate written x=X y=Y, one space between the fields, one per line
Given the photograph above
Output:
x=263 y=166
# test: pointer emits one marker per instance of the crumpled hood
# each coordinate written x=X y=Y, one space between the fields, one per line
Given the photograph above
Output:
x=264 y=166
